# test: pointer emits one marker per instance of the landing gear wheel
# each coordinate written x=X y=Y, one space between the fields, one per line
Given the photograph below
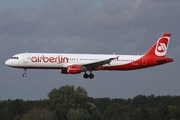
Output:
x=24 y=75
x=85 y=75
x=91 y=76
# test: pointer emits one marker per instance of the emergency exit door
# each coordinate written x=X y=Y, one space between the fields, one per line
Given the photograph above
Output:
x=144 y=61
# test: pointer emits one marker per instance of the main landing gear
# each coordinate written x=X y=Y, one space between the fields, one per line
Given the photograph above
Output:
x=91 y=76
x=24 y=74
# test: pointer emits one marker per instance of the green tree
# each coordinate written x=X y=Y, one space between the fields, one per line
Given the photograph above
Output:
x=162 y=113
x=39 y=114
x=115 y=111
x=67 y=97
x=135 y=115
x=144 y=115
x=139 y=101
x=78 y=114
x=174 y=112
x=12 y=109
x=101 y=103
x=140 y=114
x=93 y=111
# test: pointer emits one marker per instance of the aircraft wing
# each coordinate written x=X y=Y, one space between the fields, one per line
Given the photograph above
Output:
x=94 y=65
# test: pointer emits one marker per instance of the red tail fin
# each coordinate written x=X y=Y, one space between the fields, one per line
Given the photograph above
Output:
x=160 y=47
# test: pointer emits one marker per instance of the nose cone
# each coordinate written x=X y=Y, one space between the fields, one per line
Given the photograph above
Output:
x=8 y=62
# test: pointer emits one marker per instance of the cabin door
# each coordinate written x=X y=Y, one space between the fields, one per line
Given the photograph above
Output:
x=144 y=61
x=25 y=58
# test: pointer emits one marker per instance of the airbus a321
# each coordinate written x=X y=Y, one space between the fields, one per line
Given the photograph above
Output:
x=87 y=63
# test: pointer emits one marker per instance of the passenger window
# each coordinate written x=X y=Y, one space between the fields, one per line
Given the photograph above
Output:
x=14 y=58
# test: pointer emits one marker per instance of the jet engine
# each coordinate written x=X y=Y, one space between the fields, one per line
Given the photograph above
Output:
x=72 y=69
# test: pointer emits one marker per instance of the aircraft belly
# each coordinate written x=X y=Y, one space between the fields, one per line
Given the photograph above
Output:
x=47 y=65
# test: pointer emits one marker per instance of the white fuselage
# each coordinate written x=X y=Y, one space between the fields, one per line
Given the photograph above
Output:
x=59 y=61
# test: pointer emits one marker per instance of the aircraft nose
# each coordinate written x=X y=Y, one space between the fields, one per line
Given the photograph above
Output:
x=8 y=62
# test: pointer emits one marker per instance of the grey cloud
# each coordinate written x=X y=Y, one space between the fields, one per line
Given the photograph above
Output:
x=78 y=19
x=83 y=26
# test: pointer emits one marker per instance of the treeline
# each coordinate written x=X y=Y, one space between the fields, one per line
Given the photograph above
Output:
x=70 y=103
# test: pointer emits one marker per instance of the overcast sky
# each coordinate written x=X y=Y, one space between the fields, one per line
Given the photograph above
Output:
x=88 y=26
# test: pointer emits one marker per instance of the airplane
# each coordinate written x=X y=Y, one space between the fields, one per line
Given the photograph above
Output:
x=77 y=63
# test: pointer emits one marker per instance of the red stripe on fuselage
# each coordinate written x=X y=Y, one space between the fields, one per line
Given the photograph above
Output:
x=138 y=64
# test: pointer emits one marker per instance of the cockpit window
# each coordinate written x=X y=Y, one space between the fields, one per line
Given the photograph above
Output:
x=14 y=58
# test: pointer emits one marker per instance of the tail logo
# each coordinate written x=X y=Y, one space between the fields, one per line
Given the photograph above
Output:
x=161 y=46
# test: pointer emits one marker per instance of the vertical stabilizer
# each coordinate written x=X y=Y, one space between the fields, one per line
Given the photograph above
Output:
x=159 y=49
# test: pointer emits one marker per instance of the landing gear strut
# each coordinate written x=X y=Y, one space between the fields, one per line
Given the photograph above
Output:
x=24 y=75
x=91 y=76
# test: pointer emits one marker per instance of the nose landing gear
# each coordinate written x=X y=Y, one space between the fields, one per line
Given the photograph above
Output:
x=24 y=75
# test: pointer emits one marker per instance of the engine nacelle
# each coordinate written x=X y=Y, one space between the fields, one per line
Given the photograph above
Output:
x=72 y=69
x=64 y=71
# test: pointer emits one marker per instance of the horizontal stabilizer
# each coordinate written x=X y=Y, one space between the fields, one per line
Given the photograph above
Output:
x=165 y=60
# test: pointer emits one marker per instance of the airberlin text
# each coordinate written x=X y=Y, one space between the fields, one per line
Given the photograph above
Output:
x=52 y=59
